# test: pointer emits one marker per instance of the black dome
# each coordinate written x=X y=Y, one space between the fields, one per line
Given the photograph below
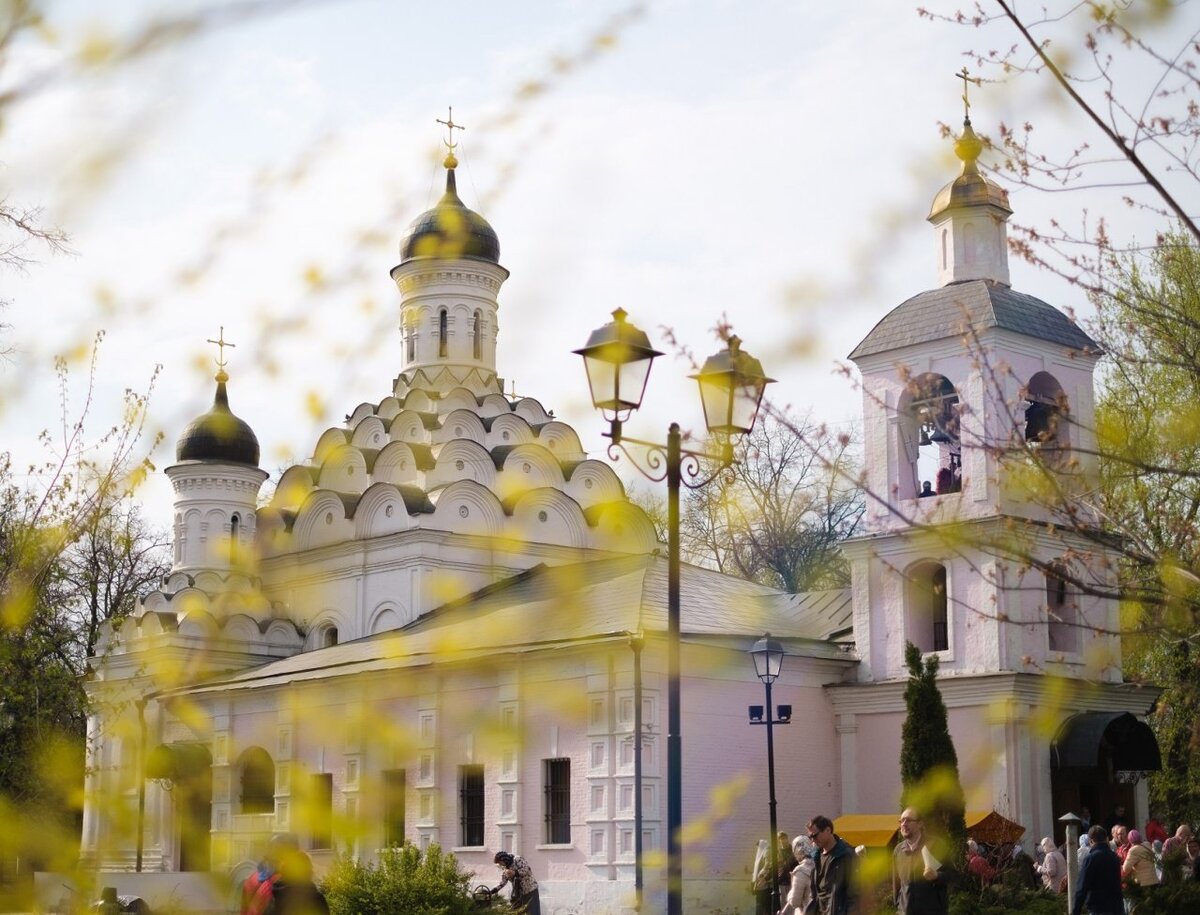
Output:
x=218 y=435
x=450 y=230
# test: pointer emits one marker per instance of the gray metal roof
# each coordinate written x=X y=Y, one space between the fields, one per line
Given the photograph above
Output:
x=574 y=603
x=976 y=305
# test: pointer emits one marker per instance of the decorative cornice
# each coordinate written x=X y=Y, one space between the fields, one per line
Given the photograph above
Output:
x=997 y=691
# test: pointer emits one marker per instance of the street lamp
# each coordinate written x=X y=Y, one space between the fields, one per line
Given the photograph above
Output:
x=617 y=359
x=768 y=661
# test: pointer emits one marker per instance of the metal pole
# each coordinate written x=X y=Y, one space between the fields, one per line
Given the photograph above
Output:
x=636 y=643
x=775 y=905
x=674 y=745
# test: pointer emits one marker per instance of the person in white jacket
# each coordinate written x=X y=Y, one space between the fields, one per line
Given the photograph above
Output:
x=800 y=893
x=1053 y=867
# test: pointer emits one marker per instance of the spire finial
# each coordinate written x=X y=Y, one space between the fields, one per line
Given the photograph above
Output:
x=965 y=76
x=220 y=344
x=451 y=160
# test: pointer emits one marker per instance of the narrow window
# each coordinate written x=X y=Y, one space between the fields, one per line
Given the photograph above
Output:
x=322 y=810
x=558 y=801
x=234 y=532
x=412 y=344
x=443 y=327
x=945 y=238
x=393 y=807
x=258 y=781
x=470 y=806
x=1061 y=615
x=478 y=336
x=329 y=637
x=928 y=623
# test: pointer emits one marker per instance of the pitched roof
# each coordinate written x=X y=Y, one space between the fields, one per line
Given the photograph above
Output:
x=976 y=305
x=554 y=605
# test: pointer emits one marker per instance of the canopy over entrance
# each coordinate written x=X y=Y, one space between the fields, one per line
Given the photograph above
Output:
x=1091 y=739
x=878 y=830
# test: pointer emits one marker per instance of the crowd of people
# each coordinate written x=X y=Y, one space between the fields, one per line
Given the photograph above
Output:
x=814 y=873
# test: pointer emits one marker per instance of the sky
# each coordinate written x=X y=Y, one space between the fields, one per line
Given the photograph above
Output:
x=767 y=162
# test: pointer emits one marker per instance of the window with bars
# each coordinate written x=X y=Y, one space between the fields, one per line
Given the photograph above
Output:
x=443 y=333
x=470 y=805
x=558 y=801
x=393 y=807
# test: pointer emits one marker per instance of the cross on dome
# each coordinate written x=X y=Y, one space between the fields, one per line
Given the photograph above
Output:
x=220 y=343
x=967 y=80
x=451 y=160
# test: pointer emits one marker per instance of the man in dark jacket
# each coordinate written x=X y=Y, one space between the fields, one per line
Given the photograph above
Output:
x=916 y=875
x=833 y=879
x=1099 y=878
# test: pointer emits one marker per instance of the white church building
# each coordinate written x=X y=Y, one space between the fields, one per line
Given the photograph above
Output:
x=436 y=629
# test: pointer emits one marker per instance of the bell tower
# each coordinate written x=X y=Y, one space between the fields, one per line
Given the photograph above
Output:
x=974 y=395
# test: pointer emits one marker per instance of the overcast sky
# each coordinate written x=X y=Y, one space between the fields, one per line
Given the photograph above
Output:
x=770 y=161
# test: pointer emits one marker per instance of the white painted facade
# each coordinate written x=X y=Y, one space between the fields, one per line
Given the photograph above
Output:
x=395 y=608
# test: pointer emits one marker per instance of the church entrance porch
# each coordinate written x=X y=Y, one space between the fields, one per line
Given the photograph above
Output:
x=1097 y=760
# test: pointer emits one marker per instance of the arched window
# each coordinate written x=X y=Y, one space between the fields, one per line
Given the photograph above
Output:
x=929 y=427
x=1062 y=613
x=329 y=637
x=235 y=530
x=411 y=355
x=443 y=331
x=257 y=773
x=1046 y=413
x=477 y=336
x=945 y=255
x=925 y=600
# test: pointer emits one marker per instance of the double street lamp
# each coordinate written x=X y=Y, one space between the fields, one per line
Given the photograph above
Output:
x=768 y=662
x=617 y=359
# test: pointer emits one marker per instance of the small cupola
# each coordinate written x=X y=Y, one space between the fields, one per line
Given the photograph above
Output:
x=218 y=435
x=450 y=230
x=969 y=217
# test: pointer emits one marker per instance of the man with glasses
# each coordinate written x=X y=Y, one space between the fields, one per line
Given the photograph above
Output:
x=833 y=877
x=916 y=876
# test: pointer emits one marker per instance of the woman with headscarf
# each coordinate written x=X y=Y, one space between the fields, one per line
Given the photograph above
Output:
x=1139 y=866
x=800 y=893
x=1053 y=867
x=760 y=879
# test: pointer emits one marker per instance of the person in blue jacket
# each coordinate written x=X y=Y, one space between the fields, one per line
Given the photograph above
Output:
x=1099 y=878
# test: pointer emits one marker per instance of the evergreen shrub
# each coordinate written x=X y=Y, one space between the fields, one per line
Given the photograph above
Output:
x=403 y=880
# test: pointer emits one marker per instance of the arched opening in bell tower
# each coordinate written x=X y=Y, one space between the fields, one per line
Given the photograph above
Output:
x=929 y=428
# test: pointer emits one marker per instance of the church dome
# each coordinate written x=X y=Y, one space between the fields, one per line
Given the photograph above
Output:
x=218 y=435
x=970 y=188
x=450 y=230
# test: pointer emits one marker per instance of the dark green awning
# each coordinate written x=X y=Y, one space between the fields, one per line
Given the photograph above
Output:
x=1084 y=740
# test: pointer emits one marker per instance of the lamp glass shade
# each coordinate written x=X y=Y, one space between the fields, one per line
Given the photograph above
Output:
x=731 y=389
x=768 y=658
x=617 y=359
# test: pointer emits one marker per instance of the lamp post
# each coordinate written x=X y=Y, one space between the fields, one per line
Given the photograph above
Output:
x=617 y=359
x=768 y=661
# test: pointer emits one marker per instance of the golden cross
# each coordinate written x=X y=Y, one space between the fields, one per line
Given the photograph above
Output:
x=221 y=343
x=966 y=85
x=450 y=128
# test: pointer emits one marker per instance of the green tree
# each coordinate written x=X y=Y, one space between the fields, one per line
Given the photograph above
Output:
x=928 y=761
x=1148 y=425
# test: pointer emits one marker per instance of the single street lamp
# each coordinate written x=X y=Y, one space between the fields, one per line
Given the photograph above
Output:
x=768 y=661
x=617 y=359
